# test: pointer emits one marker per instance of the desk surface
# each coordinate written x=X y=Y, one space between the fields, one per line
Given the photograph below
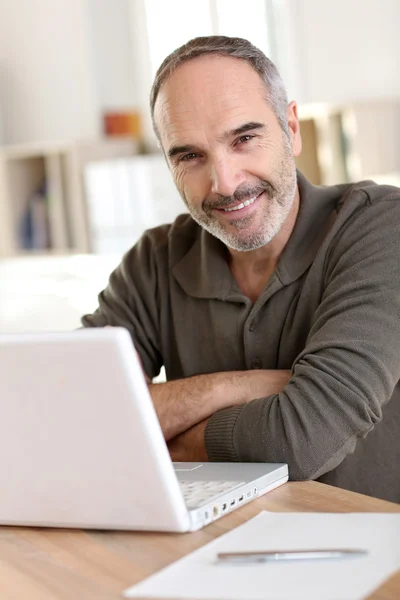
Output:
x=49 y=564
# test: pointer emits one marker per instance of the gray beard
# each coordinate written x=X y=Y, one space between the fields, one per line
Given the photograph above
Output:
x=277 y=204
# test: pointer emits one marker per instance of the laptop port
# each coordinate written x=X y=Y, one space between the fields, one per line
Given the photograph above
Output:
x=215 y=511
x=248 y=494
x=224 y=506
x=241 y=498
x=233 y=502
x=255 y=492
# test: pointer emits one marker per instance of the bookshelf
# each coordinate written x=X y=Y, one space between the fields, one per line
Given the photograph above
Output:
x=351 y=142
x=43 y=209
x=126 y=196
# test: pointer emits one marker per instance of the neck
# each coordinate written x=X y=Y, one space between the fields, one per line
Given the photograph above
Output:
x=253 y=269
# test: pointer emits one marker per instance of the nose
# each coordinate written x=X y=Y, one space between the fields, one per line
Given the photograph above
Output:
x=225 y=176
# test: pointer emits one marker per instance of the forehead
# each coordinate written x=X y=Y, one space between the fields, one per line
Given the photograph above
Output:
x=209 y=94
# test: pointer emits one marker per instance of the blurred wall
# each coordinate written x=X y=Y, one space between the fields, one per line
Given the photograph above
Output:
x=350 y=49
x=46 y=85
x=111 y=50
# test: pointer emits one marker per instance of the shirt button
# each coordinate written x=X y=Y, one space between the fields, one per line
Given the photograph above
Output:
x=255 y=363
x=252 y=326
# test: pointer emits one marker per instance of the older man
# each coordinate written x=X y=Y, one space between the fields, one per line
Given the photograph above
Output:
x=274 y=305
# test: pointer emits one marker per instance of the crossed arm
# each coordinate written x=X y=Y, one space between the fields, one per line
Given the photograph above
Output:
x=341 y=379
x=184 y=406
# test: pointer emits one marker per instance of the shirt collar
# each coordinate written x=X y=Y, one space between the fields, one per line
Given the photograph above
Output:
x=316 y=213
x=204 y=272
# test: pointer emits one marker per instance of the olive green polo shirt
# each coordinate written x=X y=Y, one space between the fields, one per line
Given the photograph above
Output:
x=330 y=313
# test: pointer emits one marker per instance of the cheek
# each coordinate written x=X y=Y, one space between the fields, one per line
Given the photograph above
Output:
x=192 y=185
x=178 y=180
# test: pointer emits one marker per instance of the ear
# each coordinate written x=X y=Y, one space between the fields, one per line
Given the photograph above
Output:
x=294 y=128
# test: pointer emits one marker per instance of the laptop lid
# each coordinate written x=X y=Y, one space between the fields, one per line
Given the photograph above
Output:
x=80 y=442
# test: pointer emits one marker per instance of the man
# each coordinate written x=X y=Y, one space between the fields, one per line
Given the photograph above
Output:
x=274 y=306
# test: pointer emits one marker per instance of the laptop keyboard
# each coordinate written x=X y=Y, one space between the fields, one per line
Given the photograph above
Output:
x=196 y=493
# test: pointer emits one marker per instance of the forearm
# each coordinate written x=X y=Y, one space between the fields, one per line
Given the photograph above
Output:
x=183 y=403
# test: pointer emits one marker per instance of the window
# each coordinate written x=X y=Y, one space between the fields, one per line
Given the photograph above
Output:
x=170 y=24
x=159 y=27
x=236 y=18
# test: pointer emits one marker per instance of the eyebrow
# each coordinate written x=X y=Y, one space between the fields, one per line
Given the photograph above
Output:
x=251 y=126
x=174 y=150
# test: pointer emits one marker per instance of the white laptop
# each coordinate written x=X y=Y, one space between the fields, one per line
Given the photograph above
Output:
x=81 y=445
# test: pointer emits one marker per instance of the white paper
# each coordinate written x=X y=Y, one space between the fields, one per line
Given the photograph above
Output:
x=199 y=576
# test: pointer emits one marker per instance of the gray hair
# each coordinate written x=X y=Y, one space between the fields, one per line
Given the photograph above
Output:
x=227 y=46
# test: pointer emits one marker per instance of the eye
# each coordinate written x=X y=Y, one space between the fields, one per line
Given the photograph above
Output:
x=189 y=157
x=243 y=139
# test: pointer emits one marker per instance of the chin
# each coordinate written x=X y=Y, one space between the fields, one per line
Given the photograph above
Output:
x=247 y=244
x=246 y=241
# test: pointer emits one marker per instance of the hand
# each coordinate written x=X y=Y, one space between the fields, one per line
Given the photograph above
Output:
x=189 y=446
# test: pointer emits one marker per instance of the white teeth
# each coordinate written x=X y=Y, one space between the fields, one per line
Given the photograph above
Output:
x=242 y=205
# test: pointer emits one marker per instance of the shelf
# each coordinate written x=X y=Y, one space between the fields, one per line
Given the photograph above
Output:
x=350 y=142
x=42 y=200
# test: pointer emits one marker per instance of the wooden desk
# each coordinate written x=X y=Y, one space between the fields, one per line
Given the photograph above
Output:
x=48 y=564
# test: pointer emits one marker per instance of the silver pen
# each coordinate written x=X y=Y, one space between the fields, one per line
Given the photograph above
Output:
x=278 y=555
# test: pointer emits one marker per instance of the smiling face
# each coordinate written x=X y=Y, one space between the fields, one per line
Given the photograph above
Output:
x=230 y=159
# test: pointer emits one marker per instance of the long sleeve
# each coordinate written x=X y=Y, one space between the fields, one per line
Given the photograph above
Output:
x=350 y=364
x=130 y=300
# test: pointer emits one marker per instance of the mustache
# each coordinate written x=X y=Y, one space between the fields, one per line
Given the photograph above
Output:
x=241 y=195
